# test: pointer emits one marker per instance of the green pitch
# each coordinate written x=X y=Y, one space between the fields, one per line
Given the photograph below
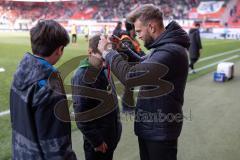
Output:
x=14 y=44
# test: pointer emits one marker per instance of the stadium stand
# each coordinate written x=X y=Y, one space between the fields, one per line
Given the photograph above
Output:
x=234 y=19
x=102 y=9
x=210 y=13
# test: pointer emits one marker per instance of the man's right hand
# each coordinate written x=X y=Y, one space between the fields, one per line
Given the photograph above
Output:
x=101 y=148
x=104 y=45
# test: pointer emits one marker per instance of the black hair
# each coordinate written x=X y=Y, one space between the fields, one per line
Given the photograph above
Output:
x=47 y=36
x=197 y=24
x=93 y=43
x=119 y=25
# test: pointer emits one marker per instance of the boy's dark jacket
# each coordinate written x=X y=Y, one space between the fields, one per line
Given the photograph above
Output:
x=107 y=128
x=37 y=134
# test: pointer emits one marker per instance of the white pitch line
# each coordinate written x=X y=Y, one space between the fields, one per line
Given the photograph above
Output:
x=2 y=69
x=219 y=55
x=4 y=113
x=216 y=43
x=117 y=82
x=69 y=96
x=213 y=64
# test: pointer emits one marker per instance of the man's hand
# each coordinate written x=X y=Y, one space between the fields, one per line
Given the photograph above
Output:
x=101 y=148
x=104 y=45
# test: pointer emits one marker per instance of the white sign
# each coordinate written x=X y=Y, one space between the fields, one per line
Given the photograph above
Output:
x=210 y=7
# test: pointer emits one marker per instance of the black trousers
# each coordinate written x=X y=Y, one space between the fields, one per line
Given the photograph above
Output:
x=74 y=38
x=128 y=100
x=157 y=150
x=90 y=153
x=192 y=62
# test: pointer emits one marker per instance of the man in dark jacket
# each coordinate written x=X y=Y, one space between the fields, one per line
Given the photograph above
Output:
x=118 y=29
x=195 y=47
x=131 y=50
x=158 y=119
x=129 y=43
x=101 y=134
x=36 y=132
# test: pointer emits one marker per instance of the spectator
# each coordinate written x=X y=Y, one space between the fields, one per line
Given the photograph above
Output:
x=131 y=50
x=118 y=29
x=195 y=47
x=102 y=134
x=37 y=133
x=74 y=33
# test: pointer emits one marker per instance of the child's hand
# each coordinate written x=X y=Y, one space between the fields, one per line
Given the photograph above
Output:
x=101 y=148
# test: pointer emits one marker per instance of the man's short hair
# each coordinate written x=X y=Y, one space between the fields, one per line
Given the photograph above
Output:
x=93 y=43
x=146 y=13
x=197 y=24
x=47 y=36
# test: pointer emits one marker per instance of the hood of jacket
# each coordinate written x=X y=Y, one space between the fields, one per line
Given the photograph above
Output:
x=30 y=70
x=174 y=33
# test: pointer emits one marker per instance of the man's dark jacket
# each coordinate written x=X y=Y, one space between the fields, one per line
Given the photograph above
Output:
x=196 y=44
x=106 y=128
x=152 y=114
x=37 y=133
